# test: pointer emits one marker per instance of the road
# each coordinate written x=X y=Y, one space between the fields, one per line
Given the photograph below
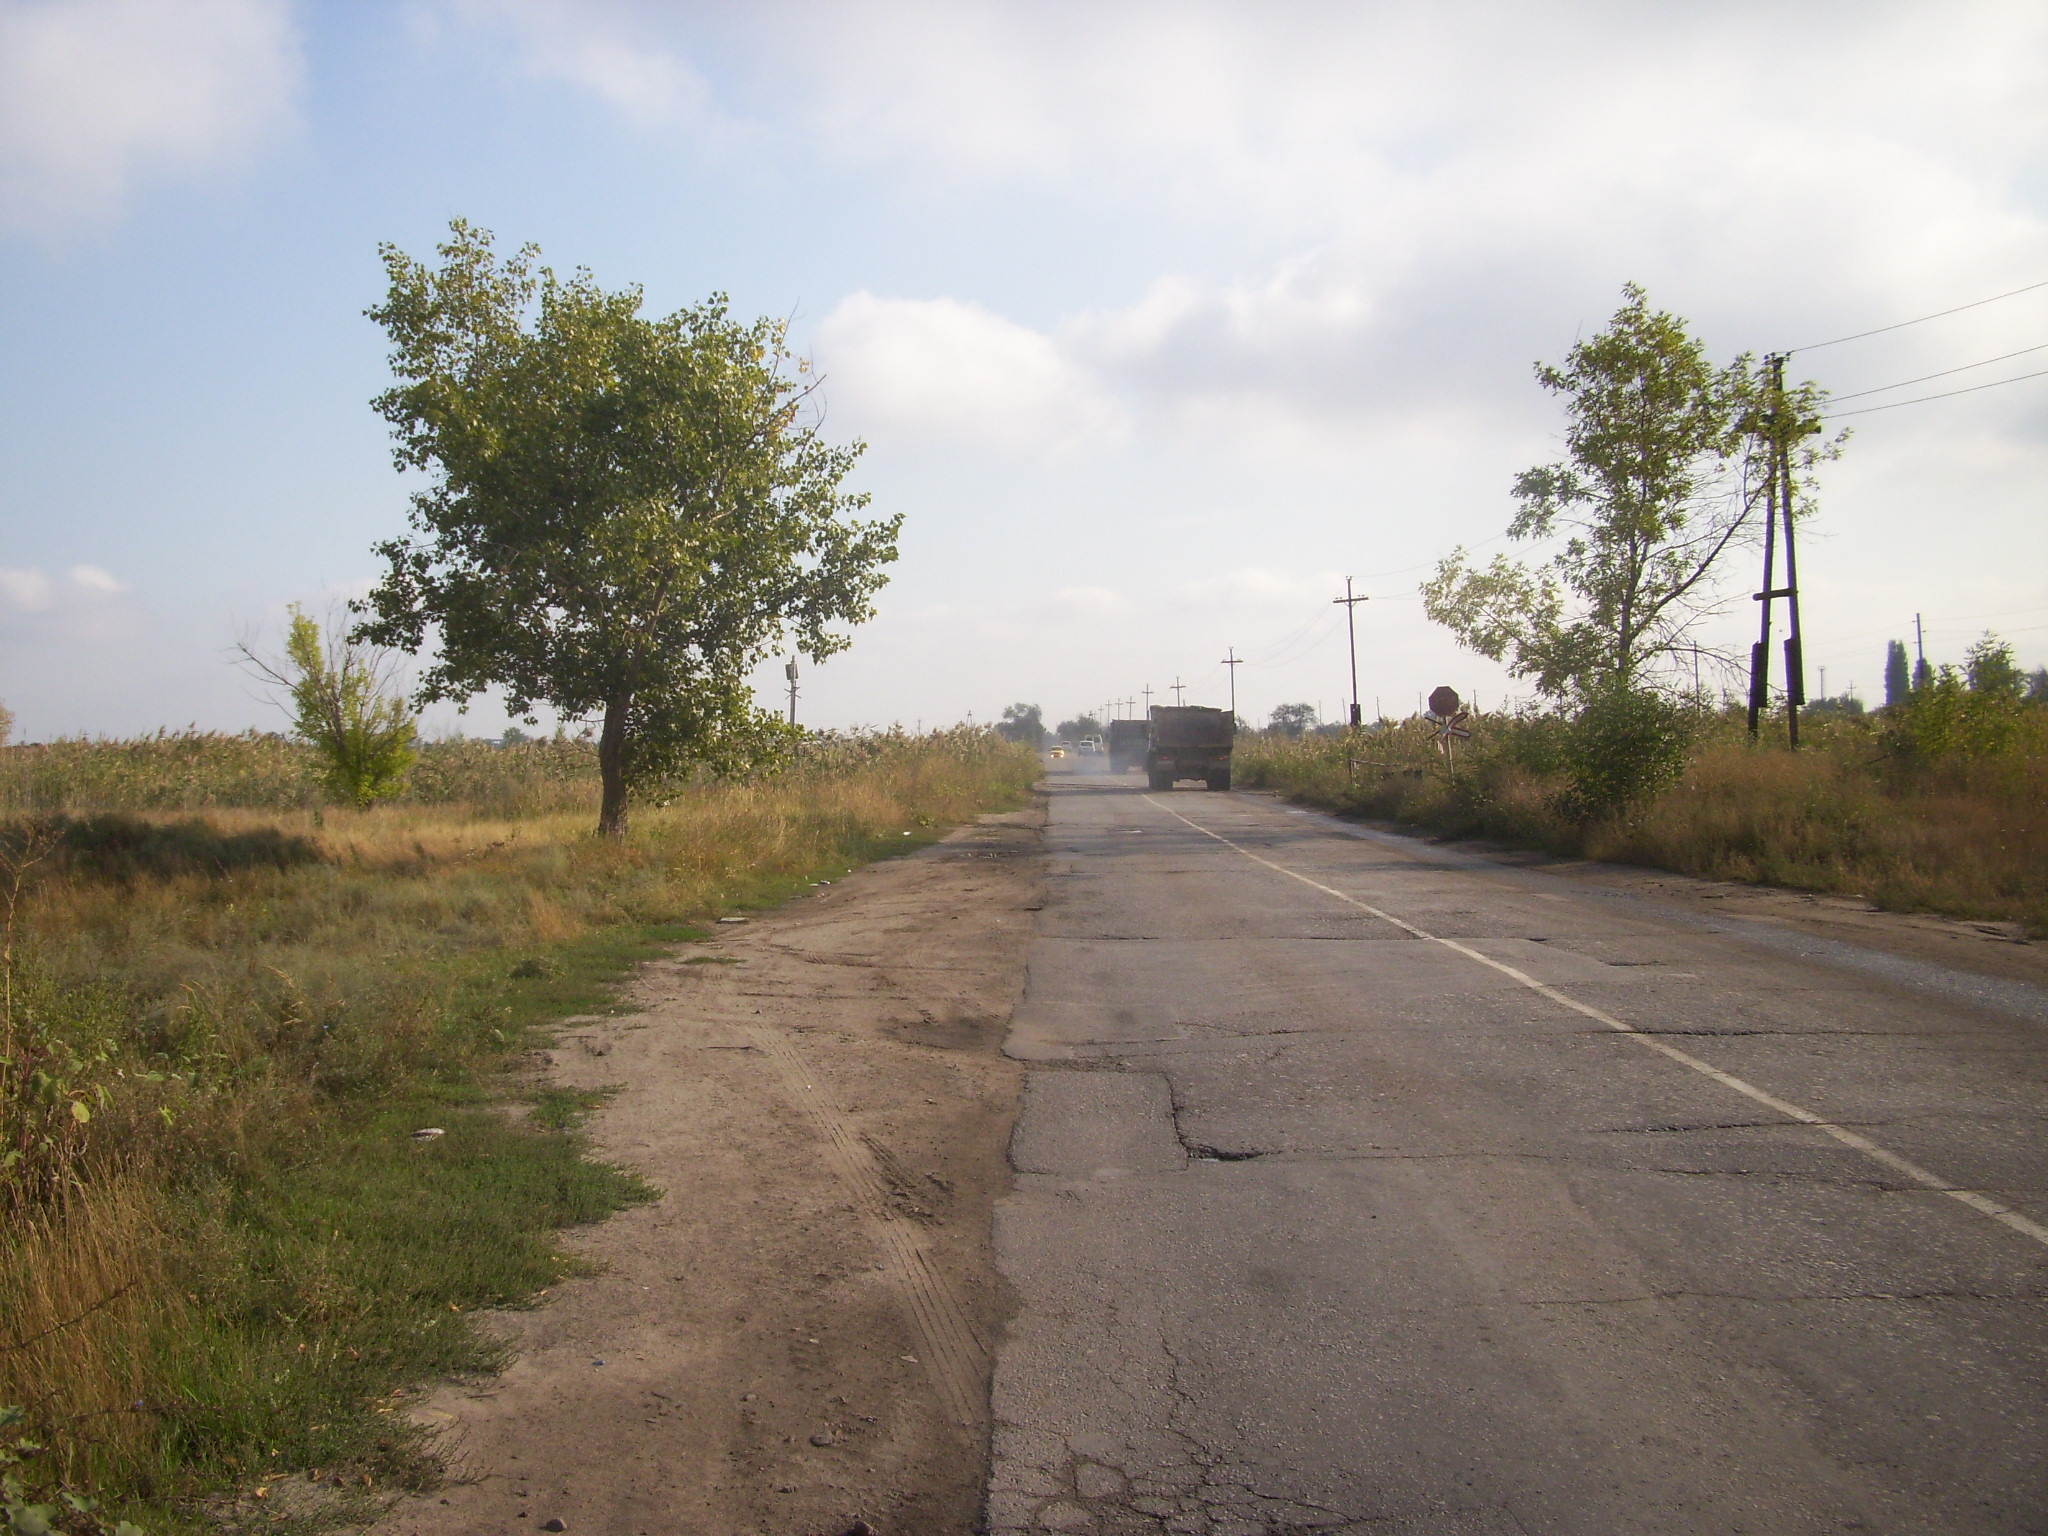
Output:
x=1369 y=1187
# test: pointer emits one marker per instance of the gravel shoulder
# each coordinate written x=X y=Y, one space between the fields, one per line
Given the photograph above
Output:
x=796 y=1336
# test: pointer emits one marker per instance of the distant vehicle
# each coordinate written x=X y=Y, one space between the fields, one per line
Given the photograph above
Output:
x=1058 y=750
x=1126 y=745
x=1088 y=746
x=1189 y=742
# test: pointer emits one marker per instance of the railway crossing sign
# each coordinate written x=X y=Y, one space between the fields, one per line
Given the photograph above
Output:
x=1450 y=719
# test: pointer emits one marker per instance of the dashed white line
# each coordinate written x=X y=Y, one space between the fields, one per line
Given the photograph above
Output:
x=1981 y=1203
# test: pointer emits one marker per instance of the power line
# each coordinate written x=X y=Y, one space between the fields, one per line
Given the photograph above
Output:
x=1964 y=368
x=1865 y=410
x=1815 y=346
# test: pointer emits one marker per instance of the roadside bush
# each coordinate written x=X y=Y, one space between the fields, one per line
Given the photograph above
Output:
x=1976 y=711
x=1625 y=746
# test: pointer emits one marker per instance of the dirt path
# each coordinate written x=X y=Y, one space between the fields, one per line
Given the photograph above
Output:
x=796 y=1336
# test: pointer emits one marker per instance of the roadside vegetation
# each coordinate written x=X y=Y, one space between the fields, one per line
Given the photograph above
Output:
x=230 y=1013
x=1938 y=803
x=1678 y=473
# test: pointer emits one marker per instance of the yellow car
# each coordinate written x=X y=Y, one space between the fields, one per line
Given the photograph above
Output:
x=1057 y=752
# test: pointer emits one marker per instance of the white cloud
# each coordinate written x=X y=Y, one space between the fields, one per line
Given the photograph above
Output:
x=26 y=591
x=1082 y=602
x=96 y=94
x=946 y=370
x=1256 y=588
x=600 y=45
x=93 y=579
x=34 y=591
x=43 y=617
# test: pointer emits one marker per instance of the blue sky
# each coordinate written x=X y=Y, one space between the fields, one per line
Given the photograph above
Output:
x=1158 y=319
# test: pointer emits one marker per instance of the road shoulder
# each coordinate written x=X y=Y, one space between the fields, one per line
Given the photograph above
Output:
x=796 y=1335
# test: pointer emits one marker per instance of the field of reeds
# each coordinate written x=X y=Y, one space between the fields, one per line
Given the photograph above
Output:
x=225 y=1013
x=208 y=770
x=1850 y=812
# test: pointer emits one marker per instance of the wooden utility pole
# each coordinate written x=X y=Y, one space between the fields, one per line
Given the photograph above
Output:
x=1795 y=660
x=1780 y=498
x=1351 y=629
x=1178 y=687
x=1233 y=661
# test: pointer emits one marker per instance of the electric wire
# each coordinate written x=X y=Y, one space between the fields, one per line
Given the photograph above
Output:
x=1815 y=346
x=1306 y=640
x=1280 y=645
x=1963 y=368
x=1865 y=410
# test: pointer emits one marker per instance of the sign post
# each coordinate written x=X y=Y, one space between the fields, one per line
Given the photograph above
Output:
x=1450 y=723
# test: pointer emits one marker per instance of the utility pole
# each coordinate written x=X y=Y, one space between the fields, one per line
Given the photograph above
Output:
x=1233 y=661
x=790 y=673
x=1919 y=648
x=1178 y=686
x=1795 y=658
x=1351 y=628
x=1147 y=691
x=1779 y=500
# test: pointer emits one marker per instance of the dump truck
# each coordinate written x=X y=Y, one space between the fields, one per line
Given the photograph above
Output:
x=1126 y=745
x=1189 y=742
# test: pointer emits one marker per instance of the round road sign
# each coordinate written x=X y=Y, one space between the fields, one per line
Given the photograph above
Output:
x=1444 y=702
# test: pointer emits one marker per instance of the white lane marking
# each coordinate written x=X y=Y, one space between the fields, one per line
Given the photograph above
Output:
x=1983 y=1204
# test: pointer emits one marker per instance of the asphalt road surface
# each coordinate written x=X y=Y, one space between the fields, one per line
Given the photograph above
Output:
x=1369 y=1187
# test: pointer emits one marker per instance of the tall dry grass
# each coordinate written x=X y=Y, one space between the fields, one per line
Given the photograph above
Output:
x=219 y=1026
x=1848 y=813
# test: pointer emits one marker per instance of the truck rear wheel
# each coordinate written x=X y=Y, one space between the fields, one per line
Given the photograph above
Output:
x=1220 y=779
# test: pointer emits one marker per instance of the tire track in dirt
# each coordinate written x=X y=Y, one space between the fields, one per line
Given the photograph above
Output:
x=952 y=1350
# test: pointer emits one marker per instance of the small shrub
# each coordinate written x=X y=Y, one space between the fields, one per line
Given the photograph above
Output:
x=343 y=705
x=1626 y=746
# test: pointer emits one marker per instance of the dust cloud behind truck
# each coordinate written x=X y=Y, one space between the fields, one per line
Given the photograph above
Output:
x=1126 y=745
x=1189 y=742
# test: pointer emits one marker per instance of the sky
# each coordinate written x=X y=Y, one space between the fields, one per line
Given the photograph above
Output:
x=1158 y=320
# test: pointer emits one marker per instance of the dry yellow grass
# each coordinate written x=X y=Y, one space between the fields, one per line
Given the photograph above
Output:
x=84 y=1292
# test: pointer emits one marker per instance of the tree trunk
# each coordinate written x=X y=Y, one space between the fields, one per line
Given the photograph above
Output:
x=611 y=767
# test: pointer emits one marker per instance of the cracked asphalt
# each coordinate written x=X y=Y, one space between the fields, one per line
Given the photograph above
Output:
x=1364 y=1188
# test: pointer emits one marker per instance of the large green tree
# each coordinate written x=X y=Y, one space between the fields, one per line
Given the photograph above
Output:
x=625 y=514
x=1663 y=477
